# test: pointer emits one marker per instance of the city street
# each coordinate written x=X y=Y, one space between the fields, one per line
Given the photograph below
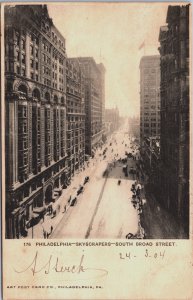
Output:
x=104 y=209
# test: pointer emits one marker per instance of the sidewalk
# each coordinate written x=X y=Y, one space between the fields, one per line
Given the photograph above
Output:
x=47 y=225
x=157 y=222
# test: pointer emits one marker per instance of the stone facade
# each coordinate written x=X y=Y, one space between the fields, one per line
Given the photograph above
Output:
x=174 y=52
x=149 y=97
x=35 y=100
x=75 y=116
x=94 y=102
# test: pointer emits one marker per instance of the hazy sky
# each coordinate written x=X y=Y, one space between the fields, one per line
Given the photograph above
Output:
x=112 y=34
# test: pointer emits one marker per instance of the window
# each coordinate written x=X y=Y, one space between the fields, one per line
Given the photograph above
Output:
x=22 y=72
x=36 y=65
x=24 y=111
x=37 y=78
x=36 y=53
x=32 y=75
x=23 y=44
x=18 y=70
x=23 y=59
x=25 y=160
x=18 y=56
x=24 y=128
x=31 y=63
x=17 y=39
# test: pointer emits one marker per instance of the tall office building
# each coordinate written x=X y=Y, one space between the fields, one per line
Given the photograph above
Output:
x=174 y=51
x=35 y=100
x=149 y=107
x=75 y=115
x=102 y=77
x=94 y=102
x=149 y=97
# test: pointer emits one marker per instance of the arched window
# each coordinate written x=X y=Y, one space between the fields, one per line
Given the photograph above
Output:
x=47 y=96
x=36 y=94
x=55 y=99
x=22 y=88
x=62 y=100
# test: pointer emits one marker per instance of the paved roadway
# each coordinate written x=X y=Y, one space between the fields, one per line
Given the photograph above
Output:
x=104 y=209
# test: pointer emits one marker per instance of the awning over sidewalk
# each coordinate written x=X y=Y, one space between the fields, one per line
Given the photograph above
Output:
x=39 y=210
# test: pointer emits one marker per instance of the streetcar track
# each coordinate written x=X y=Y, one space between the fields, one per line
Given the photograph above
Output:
x=96 y=209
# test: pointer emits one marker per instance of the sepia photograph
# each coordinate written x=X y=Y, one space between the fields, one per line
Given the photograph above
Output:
x=96 y=119
x=96 y=116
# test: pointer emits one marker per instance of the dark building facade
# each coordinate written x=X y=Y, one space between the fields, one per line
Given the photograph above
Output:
x=94 y=75
x=75 y=115
x=174 y=52
x=35 y=101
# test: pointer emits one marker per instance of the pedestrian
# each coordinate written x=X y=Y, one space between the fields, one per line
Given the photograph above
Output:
x=138 y=192
x=64 y=208
x=44 y=234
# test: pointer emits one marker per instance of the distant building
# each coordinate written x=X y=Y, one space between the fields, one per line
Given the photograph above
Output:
x=149 y=97
x=149 y=103
x=134 y=126
x=112 y=118
x=94 y=102
x=75 y=115
x=35 y=100
x=102 y=77
x=174 y=51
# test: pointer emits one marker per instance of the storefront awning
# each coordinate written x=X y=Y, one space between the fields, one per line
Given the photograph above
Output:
x=39 y=210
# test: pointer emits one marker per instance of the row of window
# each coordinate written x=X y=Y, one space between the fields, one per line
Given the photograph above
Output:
x=56 y=40
x=150 y=125
x=33 y=51
x=34 y=64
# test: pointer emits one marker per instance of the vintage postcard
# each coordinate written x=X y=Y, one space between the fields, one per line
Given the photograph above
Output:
x=96 y=150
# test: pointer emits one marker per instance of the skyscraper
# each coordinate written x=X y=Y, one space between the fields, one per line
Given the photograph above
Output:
x=35 y=101
x=75 y=115
x=94 y=102
x=174 y=51
x=149 y=105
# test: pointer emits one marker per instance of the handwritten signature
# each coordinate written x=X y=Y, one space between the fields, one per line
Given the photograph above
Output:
x=55 y=264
